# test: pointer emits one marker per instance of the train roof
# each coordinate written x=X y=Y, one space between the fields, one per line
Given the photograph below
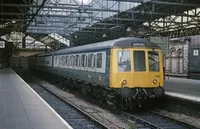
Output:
x=124 y=42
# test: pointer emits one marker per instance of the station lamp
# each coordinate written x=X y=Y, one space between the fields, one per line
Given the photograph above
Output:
x=104 y=35
x=128 y=29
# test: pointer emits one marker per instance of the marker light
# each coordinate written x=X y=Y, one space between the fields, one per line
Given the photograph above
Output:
x=154 y=81
x=124 y=82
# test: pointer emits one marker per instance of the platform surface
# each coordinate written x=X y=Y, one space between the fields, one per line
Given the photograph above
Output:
x=185 y=88
x=22 y=108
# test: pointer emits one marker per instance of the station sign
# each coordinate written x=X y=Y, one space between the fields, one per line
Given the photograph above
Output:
x=2 y=44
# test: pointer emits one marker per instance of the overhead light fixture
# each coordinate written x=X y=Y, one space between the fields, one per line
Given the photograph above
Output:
x=128 y=29
x=75 y=36
x=13 y=22
x=114 y=27
x=104 y=35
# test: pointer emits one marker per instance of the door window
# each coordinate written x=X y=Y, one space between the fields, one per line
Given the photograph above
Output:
x=139 y=61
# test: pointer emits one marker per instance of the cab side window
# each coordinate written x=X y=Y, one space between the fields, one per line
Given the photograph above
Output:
x=99 y=60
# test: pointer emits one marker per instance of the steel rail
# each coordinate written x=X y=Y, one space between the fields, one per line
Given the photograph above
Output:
x=74 y=106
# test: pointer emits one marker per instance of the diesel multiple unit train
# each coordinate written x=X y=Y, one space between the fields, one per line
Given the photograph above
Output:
x=123 y=71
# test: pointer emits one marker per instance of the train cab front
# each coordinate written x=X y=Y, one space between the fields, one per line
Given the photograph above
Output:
x=137 y=73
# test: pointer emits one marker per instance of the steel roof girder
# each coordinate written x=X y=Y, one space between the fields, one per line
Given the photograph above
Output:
x=59 y=7
x=52 y=26
x=135 y=1
x=105 y=24
x=65 y=22
x=95 y=28
x=175 y=22
x=36 y=13
x=46 y=29
x=83 y=31
x=42 y=21
x=162 y=14
x=43 y=15
x=174 y=3
x=161 y=2
x=66 y=16
x=124 y=19
x=41 y=30
x=66 y=11
x=173 y=32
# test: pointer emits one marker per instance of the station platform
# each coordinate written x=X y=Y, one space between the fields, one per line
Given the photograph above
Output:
x=22 y=108
x=188 y=89
x=175 y=75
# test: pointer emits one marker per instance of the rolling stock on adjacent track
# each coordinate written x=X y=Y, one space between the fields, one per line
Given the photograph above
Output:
x=121 y=71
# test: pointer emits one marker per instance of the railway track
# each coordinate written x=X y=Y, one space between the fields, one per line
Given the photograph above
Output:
x=157 y=121
x=144 y=119
x=151 y=119
x=76 y=117
x=172 y=119
x=141 y=120
x=85 y=109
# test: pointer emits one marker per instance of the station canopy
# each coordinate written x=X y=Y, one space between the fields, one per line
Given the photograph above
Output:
x=64 y=23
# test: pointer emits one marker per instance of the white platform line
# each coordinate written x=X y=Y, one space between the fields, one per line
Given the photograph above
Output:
x=63 y=121
x=183 y=96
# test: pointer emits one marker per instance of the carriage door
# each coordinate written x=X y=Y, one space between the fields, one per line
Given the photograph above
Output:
x=90 y=62
x=59 y=63
x=140 y=74
x=94 y=62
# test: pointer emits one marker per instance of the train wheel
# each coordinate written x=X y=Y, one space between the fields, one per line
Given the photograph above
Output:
x=110 y=100
x=124 y=103
x=83 y=89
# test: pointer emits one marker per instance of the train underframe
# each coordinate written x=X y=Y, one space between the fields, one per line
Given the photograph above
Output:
x=125 y=98
x=137 y=96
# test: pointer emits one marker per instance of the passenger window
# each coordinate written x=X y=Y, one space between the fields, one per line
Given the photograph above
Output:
x=60 y=60
x=139 y=61
x=124 y=64
x=66 y=60
x=82 y=60
x=94 y=61
x=90 y=60
x=153 y=58
x=79 y=60
x=99 y=60
x=86 y=62
x=71 y=60
x=76 y=60
x=63 y=60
